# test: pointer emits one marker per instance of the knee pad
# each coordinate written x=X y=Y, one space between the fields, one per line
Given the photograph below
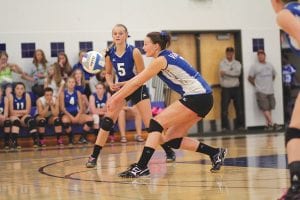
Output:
x=66 y=125
x=174 y=143
x=90 y=124
x=291 y=133
x=107 y=124
x=155 y=126
x=57 y=122
x=7 y=123
x=16 y=123
x=30 y=122
x=42 y=123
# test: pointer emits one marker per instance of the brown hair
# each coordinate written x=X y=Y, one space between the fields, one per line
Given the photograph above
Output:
x=56 y=75
x=43 y=61
x=67 y=67
x=3 y=53
x=163 y=39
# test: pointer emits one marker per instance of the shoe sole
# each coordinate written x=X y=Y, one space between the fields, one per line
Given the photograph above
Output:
x=222 y=162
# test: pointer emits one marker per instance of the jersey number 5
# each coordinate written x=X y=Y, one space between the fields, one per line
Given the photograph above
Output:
x=121 y=69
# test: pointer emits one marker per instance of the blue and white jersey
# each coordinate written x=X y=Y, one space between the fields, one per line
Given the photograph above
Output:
x=123 y=65
x=2 y=105
x=80 y=88
x=19 y=103
x=294 y=8
x=180 y=76
x=71 y=102
x=100 y=103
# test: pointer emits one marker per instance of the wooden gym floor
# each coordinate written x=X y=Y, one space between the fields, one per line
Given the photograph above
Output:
x=255 y=169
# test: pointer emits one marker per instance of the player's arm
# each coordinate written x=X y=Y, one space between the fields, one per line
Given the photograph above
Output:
x=154 y=68
x=28 y=104
x=109 y=71
x=80 y=103
x=42 y=111
x=61 y=87
x=92 y=106
x=251 y=79
x=55 y=107
x=62 y=106
x=289 y=23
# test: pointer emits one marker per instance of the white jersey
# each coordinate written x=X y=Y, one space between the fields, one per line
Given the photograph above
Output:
x=44 y=103
x=180 y=76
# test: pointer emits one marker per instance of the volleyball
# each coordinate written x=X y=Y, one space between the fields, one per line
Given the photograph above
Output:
x=93 y=62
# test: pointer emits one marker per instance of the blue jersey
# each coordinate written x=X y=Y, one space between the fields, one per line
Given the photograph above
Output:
x=80 y=88
x=2 y=105
x=100 y=103
x=71 y=102
x=180 y=76
x=123 y=65
x=19 y=103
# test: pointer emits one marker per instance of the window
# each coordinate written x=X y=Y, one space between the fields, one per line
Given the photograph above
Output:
x=87 y=46
x=139 y=44
x=257 y=44
x=2 y=47
x=27 y=50
x=57 y=47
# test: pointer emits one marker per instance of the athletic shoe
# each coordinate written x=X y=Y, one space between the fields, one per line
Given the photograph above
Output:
x=134 y=171
x=82 y=140
x=139 y=138
x=91 y=163
x=15 y=145
x=35 y=144
x=293 y=193
x=170 y=156
x=71 y=140
x=42 y=143
x=123 y=139
x=218 y=160
x=6 y=145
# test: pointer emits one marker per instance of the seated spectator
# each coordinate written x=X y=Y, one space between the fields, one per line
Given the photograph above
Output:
x=71 y=106
x=38 y=72
x=80 y=86
x=99 y=77
x=54 y=80
x=48 y=113
x=19 y=113
x=6 y=69
x=64 y=65
x=130 y=113
x=4 y=120
x=87 y=76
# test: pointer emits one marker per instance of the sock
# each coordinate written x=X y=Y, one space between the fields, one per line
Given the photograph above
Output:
x=208 y=150
x=295 y=174
x=34 y=136
x=145 y=157
x=6 y=138
x=41 y=136
x=14 y=138
x=166 y=148
x=96 y=151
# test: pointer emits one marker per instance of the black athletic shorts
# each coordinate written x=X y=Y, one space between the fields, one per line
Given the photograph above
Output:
x=200 y=104
x=140 y=94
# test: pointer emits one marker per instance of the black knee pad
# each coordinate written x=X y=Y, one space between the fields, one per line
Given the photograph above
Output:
x=30 y=122
x=66 y=125
x=107 y=123
x=90 y=124
x=16 y=123
x=7 y=123
x=42 y=123
x=174 y=143
x=57 y=122
x=155 y=127
x=291 y=133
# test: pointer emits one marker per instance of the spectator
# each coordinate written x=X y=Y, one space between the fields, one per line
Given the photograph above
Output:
x=54 y=80
x=261 y=76
x=4 y=120
x=99 y=77
x=80 y=86
x=230 y=71
x=64 y=65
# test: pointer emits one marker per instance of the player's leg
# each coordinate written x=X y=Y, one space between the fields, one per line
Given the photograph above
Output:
x=15 y=130
x=7 y=129
x=122 y=125
x=134 y=113
x=106 y=126
x=292 y=146
x=41 y=123
x=176 y=113
x=87 y=122
x=30 y=123
x=57 y=123
x=66 y=124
